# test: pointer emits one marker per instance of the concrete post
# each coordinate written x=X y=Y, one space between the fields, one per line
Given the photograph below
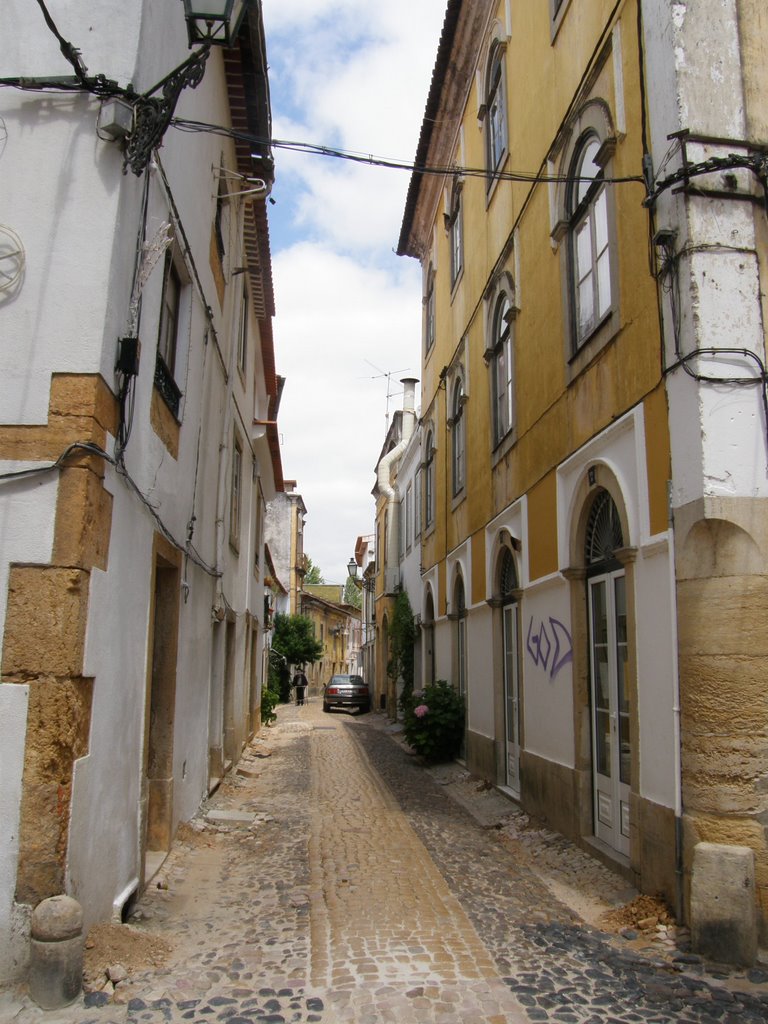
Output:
x=56 y=965
x=723 y=911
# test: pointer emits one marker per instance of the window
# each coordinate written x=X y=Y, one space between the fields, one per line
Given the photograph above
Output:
x=501 y=361
x=417 y=505
x=168 y=335
x=589 y=251
x=460 y=615
x=219 y=226
x=169 y=315
x=242 y=338
x=496 y=113
x=458 y=459
x=455 y=233
x=258 y=519
x=408 y=517
x=401 y=527
x=429 y=307
x=429 y=482
x=236 y=494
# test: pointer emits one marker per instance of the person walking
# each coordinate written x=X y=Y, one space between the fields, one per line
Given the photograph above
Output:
x=300 y=685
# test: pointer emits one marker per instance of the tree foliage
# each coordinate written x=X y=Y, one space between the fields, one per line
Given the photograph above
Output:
x=294 y=638
x=353 y=594
x=402 y=638
x=313 y=573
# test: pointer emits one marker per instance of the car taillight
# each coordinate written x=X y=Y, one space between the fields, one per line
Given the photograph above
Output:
x=333 y=689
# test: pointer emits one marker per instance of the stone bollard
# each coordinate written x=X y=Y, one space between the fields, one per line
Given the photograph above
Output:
x=56 y=963
x=723 y=911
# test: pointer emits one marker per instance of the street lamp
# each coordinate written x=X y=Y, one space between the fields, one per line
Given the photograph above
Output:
x=352 y=568
x=213 y=22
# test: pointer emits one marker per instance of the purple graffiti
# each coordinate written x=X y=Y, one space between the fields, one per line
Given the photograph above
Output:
x=551 y=647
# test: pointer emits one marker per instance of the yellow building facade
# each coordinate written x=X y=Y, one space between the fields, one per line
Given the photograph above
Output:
x=549 y=585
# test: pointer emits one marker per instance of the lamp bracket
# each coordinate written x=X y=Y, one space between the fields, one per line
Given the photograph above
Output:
x=153 y=114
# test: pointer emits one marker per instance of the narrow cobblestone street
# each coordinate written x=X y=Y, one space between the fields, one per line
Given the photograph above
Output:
x=333 y=879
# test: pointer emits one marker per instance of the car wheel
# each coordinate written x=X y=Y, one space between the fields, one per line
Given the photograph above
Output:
x=366 y=708
x=326 y=707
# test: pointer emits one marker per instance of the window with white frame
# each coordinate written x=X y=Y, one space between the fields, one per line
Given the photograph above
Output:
x=454 y=223
x=242 y=337
x=168 y=339
x=502 y=369
x=429 y=310
x=495 y=111
x=458 y=439
x=417 y=505
x=408 y=517
x=258 y=518
x=429 y=481
x=589 y=250
x=236 y=493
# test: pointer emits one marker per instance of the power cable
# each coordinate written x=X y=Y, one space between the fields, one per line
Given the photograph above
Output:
x=89 y=448
x=187 y=125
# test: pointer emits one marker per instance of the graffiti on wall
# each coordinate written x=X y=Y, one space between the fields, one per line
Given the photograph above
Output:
x=549 y=645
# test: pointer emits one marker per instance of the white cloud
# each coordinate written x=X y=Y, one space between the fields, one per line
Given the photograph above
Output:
x=338 y=318
x=355 y=75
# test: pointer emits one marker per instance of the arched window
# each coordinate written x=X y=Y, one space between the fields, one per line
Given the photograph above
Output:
x=610 y=693
x=507 y=589
x=501 y=360
x=589 y=240
x=604 y=534
x=496 y=111
x=507 y=574
x=460 y=615
x=458 y=454
x=428 y=636
x=429 y=481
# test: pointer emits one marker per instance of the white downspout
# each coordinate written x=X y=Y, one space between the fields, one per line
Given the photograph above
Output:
x=224 y=446
x=386 y=488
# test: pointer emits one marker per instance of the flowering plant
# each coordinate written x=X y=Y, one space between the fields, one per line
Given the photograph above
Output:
x=433 y=721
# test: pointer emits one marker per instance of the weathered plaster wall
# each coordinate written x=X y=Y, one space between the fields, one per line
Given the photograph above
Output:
x=14 y=920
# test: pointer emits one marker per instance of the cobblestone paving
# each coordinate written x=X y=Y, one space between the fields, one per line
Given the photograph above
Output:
x=335 y=881
x=559 y=969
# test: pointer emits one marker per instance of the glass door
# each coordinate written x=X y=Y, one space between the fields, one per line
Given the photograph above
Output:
x=611 y=743
x=511 y=698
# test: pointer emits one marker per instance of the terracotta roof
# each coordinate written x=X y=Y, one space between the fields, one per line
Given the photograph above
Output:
x=245 y=67
x=442 y=62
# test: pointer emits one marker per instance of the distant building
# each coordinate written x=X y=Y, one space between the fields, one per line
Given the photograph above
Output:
x=393 y=537
x=284 y=532
x=337 y=627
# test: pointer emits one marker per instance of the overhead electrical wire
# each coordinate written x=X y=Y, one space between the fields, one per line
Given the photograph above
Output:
x=315 y=149
x=90 y=448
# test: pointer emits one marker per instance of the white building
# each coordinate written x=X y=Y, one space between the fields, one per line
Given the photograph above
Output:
x=138 y=443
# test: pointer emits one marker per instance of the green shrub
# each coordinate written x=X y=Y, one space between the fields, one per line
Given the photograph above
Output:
x=433 y=722
x=268 y=701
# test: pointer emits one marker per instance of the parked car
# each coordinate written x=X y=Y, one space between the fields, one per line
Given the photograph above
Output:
x=346 y=691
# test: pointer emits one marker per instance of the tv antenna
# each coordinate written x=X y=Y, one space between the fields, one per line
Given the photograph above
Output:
x=389 y=374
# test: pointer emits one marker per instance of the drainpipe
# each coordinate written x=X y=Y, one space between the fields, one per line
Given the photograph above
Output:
x=678 y=767
x=219 y=605
x=386 y=488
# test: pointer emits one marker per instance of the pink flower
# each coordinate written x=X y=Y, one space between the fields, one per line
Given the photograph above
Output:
x=421 y=710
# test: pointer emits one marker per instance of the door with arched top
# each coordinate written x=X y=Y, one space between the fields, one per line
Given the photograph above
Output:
x=510 y=654
x=609 y=651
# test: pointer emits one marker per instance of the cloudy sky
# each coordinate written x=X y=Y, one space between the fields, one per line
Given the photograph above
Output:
x=351 y=74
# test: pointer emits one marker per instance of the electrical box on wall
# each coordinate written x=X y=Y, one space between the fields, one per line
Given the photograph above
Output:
x=128 y=353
